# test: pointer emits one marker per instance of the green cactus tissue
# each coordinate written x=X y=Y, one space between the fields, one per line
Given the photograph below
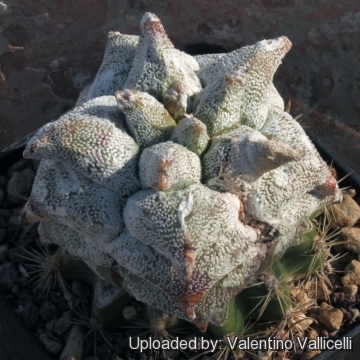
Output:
x=180 y=173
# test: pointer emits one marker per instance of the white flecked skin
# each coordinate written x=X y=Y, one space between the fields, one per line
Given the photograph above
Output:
x=191 y=133
x=60 y=193
x=176 y=101
x=170 y=166
x=157 y=64
x=147 y=119
x=260 y=62
x=219 y=104
x=165 y=164
x=96 y=146
x=117 y=62
x=75 y=243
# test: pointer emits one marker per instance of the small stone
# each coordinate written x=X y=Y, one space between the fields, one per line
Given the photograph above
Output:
x=48 y=311
x=322 y=292
x=330 y=317
x=25 y=298
x=351 y=236
x=347 y=213
x=49 y=326
x=312 y=334
x=9 y=274
x=29 y=314
x=16 y=290
x=15 y=220
x=5 y=215
x=56 y=297
x=2 y=235
x=74 y=344
x=309 y=354
x=350 y=289
x=18 y=166
x=20 y=185
x=355 y=313
x=104 y=352
x=129 y=313
x=2 y=196
x=63 y=324
x=4 y=252
x=299 y=296
x=23 y=272
x=51 y=343
x=3 y=182
x=352 y=274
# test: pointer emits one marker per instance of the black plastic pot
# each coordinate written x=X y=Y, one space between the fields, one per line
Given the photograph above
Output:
x=18 y=343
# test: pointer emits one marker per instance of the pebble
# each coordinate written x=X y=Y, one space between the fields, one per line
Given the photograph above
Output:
x=322 y=292
x=48 y=311
x=63 y=324
x=4 y=252
x=74 y=344
x=330 y=317
x=355 y=313
x=51 y=343
x=25 y=298
x=350 y=289
x=351 y=236
x=23 y=271
x=18 y=166
x=16 y=290
x=352 y=274
x=104 y=352
x=30 y=315
x=15 y=220
x=49 y=326
x=20 y=185
x=56 y=297
x=9 y=274
x=5 y=215
x=129 y=313
x=3 y=182
x=347 y=213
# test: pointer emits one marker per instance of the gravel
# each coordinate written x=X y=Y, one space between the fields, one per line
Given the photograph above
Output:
x=20 y=185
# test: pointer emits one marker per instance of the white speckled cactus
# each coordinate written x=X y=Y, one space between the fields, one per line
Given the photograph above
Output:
x=181 y=173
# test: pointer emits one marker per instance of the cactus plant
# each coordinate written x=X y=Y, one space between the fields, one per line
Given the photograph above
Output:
x=182 y=177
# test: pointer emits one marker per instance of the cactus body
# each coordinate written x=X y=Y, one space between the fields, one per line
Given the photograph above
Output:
x=182 y=173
